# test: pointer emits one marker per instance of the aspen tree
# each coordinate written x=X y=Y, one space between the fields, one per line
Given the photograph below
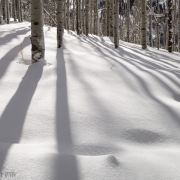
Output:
x=83 y=14
x=0 y=7
x=59 y=19
x=128 y=20
x=87 y=17
x=116 y=24
x=105 y=19
x=79 y=16
x=174 y=25
x=65 y=14
x=108 y=17
x=19 y=9
x=14 y=11
x=143 y=25
x=7 y=11
x=21 y=13
x=150 y=24
x=95 y=17
x=139 y=9
x=91 y=14
x=73 y=16
x=37 y=34
x=170 y=40
x=157 y=27
x=68 y=15
x=179 y=26
x=1 y=15
x=111 y=17
x=10 y=8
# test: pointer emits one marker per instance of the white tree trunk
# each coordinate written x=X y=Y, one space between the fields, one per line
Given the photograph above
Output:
x=150 y=25
x=87 y=17
x=73 y=16
x=14 y=11
x=68 y=14
x=105 y=19
x=143 y=25
x=111 y=18
x=108 y=17
x=83 y=14
x=96 y=17
x=1 y=14
x=128 y=20
x=174 y=26
x=179 y=27
x=65 y=13
x=170 y=25
x=59 y=23
x=7 y=11
x=116 y=25
x=37 y=34
x=90 y=13
x=21 y=13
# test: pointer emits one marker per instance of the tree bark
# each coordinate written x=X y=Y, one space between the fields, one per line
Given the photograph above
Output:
x=87 y=17
x=73 y=16
x=14 y=11
x=105 y=19
x=59 y=18
x=68 y=14
x=83 y=14
x=128 y=20
x=7 y=11
x=21 y=12
x=1 y=14
x=111 y=18
x=96 y=17
x=170 y=41
x=64 y=10
x=150 y=24
x=179 y=27
x=116 y=25
x=143 y=25
x=37 y=34
x=174 y=26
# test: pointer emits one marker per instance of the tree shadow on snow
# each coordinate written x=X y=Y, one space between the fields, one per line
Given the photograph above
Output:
x=11 y=55
x=137 y=59
x=13 y=35
x=66 y=165
x=14 y=115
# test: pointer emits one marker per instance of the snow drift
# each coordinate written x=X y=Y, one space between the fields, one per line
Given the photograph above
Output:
x=92 y=112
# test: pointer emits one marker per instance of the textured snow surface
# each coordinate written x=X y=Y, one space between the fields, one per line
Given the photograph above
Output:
x=91 y=113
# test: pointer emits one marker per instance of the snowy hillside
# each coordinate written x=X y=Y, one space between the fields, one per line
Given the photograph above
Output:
x=91 y=113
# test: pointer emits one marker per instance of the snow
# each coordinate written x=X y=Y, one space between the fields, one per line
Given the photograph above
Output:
x=90 y=113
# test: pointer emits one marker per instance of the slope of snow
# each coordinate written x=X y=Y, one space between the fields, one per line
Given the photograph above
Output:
x=91 y=113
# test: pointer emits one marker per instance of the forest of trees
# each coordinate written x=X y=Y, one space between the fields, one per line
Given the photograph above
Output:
x=147 y=22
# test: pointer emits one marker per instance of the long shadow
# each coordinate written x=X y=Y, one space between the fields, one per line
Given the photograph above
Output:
x=66 y=167
x=140 y=80
x=143 y=62
x=7 y=38
x=14 y=115
x=11 y=55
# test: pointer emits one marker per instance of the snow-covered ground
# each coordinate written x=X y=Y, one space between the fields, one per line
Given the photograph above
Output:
x=91 y=113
